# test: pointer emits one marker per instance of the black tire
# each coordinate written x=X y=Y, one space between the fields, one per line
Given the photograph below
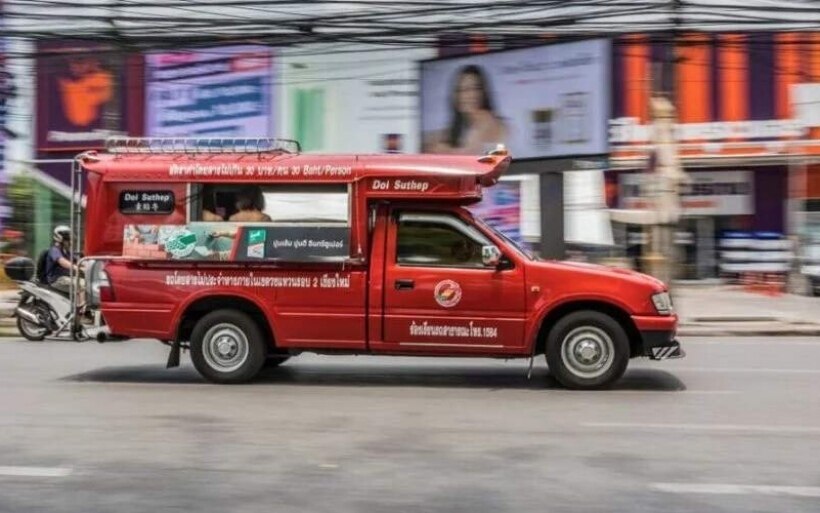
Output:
x=572 y=346
x=27 y=333
x=26 y=329
x=215 y=338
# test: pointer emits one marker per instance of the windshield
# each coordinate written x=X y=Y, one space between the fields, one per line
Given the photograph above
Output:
x=524 y=251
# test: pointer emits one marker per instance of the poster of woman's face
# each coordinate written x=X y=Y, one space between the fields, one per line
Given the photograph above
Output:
x=474 y=127
x=543 y=101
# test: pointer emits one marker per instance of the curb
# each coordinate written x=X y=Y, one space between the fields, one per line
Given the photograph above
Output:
x=736 y=318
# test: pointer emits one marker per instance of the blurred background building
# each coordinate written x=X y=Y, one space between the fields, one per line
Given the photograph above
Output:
x=566 y=86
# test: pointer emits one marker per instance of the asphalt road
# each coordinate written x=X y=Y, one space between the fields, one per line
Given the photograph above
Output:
x=734 y=427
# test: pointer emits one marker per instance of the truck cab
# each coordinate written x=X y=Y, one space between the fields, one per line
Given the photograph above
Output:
x=357 y=254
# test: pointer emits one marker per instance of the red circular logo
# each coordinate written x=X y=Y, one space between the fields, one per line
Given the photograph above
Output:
x=447 y=293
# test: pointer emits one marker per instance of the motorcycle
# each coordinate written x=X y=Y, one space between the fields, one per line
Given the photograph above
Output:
x=43 y=311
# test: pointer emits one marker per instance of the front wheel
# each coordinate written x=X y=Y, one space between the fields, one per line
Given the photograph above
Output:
x=587 y=350
x=227 y=346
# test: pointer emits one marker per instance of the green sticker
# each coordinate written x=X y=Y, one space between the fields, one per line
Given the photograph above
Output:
x=187 y=238
x=181 y=244
x=256 y=236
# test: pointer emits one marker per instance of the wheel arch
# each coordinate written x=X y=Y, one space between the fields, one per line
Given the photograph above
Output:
x=200 y=306
x=620 y=315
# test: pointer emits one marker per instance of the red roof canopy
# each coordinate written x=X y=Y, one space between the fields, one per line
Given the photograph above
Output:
x=289 y=168
x=382 y=176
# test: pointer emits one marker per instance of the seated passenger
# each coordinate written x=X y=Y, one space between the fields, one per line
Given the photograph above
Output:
x=250 y=203
x=209 y=214
x=210 y=217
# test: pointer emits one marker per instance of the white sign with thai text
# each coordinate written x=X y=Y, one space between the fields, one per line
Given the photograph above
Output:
x=711 y=193
x=628 y=130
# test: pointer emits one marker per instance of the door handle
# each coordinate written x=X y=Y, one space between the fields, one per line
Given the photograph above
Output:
x=404 y=284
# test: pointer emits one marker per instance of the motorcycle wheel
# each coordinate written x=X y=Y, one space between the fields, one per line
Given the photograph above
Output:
x=31 y=331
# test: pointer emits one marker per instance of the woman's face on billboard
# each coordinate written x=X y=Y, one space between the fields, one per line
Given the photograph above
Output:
x=469 y=93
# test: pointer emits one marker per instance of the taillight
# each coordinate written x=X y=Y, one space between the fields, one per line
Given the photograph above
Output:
x=106 y=292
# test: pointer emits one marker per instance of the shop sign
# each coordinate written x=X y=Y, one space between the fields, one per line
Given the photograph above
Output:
x=708 y=193
x=628 y=130
x=500 y=207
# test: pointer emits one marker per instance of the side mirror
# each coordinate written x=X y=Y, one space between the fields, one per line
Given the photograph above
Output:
x=490 y=256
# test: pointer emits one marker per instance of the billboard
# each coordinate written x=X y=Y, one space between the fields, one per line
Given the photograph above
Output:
x=353 y=98
x=81 y=95
x=546 y=101
x=218 y=92
x=500 y=207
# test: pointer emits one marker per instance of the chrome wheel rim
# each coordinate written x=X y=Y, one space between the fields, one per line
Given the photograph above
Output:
x=587 y=351
x=225 y=347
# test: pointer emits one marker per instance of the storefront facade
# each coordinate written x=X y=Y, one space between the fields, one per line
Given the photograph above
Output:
x=746 y=143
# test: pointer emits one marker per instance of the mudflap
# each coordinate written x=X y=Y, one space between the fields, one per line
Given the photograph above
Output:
x=670 y=351
x=173 y=356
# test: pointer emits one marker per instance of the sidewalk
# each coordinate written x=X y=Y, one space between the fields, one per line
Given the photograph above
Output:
x=705 y=310
x=723 y=310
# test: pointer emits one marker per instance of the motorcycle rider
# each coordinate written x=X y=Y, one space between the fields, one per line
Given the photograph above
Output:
x=59 y=263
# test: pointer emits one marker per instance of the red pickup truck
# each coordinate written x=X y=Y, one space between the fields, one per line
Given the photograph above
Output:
x=249 y=258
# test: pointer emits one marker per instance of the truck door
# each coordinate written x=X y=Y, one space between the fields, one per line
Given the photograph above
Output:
x=439 y=296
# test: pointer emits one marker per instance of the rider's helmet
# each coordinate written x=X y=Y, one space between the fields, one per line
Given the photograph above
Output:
x=62 y=233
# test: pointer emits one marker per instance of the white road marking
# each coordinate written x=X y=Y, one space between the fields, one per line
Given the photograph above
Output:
x=737 y=489
x=328 y=466
x=731 y=428
x=722 y=341
x=746 y=370
x=676 y=392
x=35 y=471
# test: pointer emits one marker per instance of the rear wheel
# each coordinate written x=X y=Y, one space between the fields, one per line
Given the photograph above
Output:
x=227 y=346
x=587 y=350
x=29 y=330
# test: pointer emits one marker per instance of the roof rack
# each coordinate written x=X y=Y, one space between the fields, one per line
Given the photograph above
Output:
x=165 y=145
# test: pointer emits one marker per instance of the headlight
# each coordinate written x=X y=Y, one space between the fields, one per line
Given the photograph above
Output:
x=662 y=302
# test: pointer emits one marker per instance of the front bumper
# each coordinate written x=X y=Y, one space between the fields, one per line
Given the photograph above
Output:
x=658 y=340
x=661 y=345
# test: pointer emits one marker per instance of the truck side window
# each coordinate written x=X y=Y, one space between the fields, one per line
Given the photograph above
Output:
x=437 y=240
x=322 y=204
